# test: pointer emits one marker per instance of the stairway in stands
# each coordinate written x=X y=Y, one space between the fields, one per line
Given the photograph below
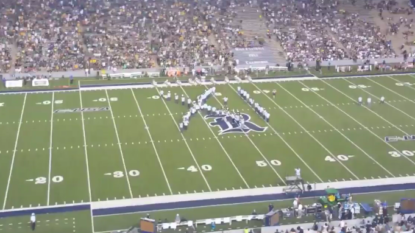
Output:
x=253 y=25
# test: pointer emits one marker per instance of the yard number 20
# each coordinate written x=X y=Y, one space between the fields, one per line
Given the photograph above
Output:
x=43 y=180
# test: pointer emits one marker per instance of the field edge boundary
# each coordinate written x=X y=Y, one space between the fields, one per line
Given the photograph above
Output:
x=113 y=207
x=246 y=195
x=90 y=87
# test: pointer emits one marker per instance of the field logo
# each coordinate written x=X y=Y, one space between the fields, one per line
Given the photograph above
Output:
x=399 y=138
x=226 y=124
x=98 y=109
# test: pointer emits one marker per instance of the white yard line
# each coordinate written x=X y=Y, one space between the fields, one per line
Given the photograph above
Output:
x=396 y=93
x=399 y=110
x=220 y=144
x=332 y=126
x=252 y=142
x=179 y=113
x=86 y=160
x=152 y=142
x=184 y=139
x=168 y=141
x=14 y=153
x=367 y=128
x=358 y=122
x=119 y=146
x=286 y=143
x=307 y=131
x=50 y=147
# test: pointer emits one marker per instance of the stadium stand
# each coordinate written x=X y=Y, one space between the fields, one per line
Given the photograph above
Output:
x=71 y=35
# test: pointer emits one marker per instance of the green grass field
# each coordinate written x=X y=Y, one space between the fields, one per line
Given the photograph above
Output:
x=136 y=150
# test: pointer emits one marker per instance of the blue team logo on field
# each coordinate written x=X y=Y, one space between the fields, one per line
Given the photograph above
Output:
x=226 y=124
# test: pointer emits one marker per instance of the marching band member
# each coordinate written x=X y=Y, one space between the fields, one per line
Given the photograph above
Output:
x=189 y=102
x=183 y=99
x=181 y=126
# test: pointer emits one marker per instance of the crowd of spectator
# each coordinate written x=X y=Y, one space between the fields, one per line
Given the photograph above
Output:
x=406 y=225
x=65 y=35
x=5 y=58
x=301 y=29
x=397 y=25
x=311 y=30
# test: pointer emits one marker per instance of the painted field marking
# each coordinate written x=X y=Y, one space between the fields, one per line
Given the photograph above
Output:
x=86 y=159
x=50 y=147
x=152 y=142
x=377 y=136
x=321 y=117
x=250 y=140
x=184 y=139
x=119 y=145
x=387 y=103
x=14 y=152
x=285 y=142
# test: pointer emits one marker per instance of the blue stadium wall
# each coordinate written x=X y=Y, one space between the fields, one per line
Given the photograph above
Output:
x=200 y=203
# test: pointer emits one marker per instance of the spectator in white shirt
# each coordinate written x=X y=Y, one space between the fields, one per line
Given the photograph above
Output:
x=300 y=210
x=295 y=203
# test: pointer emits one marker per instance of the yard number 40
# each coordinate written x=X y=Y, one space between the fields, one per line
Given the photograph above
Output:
x=47 y=102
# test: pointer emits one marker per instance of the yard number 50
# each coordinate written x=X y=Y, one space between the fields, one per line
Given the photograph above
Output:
x=262 y=163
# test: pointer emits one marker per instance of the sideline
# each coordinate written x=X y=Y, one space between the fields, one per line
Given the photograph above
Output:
x=246 y=196
x=216 y=198
x=253 y=202
x=186 y=83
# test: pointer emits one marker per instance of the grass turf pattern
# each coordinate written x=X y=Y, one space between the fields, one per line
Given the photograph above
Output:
x=136 y=150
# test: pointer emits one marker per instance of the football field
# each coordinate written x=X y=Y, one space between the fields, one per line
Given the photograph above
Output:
x=83 y=146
